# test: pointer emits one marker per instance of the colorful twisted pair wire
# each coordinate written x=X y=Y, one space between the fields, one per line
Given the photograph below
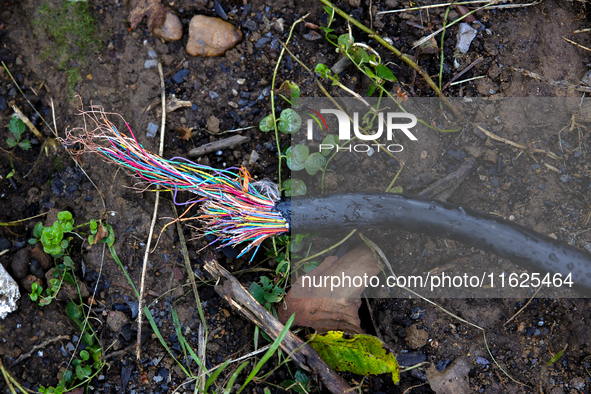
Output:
x=234 y=209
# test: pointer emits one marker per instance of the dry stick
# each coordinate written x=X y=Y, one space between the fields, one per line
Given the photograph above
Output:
x=303 y=354
x=29 y=124
x=523 y=307
x=40 y=346
x=404 y=57
x=138 y=343
x=516 y=145
x=464 y=71
x=576 y=44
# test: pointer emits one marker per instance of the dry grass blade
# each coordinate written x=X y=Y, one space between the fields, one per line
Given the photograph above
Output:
x=153 y=223
x=495 y=137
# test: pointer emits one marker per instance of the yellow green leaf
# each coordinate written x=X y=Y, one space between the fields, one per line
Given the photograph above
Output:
x=359 y=354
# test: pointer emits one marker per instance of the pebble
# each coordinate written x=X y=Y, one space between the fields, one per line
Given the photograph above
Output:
x=410 y=358
x=4 y=244
x=36 y=269
x=312 y=36
x=116 y=320
x=482 y=361
x=45 y=260
x=416 y=337
x=254 y=156
x=179 y=77
x=152 y=54
x=3 y=106
x=452 y=380
x=152 y=130
x=417 y=313
x=262 y=42
x=213 y=94
x=150 y=63
x=250 y=25
x=211 y=36
x=171 y=30
x=20 y=264
x=219 y=10
x=465 y=36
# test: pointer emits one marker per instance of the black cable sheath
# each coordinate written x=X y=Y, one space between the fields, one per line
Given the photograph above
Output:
x=511 y=241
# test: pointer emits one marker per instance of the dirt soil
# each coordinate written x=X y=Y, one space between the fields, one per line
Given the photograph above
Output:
x=113 y=74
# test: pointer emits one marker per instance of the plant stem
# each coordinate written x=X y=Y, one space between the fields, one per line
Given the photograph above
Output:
x=442 y=41
x=404 y=57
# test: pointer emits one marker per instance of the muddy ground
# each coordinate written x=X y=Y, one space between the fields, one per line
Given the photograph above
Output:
x=112 y=73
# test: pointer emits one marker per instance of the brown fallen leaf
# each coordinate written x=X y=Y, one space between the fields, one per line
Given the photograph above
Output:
x=326 y=309
x=152 y=9
x=184 y=132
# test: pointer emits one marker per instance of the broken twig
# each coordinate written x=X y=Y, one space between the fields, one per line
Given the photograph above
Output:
x=303 y=354
x=225 y=143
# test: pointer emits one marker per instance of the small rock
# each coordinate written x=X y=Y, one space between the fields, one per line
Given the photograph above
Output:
x=391 y=4
x=150 y=63
x=20 y=264
x=3 y=106
x=4 y=244
x=43 y=258
x=587 y=78
x=213 y=347
x=35 y=268
x=411 y=358
x=152 y=54
x=152 y=130
x=254 y=156
x=213 y=124
x=18 y=61
x=179 y=77
x=278 y=25
x=354 y=3
x=416 y=337
x=453 y=380
x=116 y=320
x=262 y=42
x=465 y=36
x=473 y=151
x=219 y=10
x=213 y=94
x=482 y=361
x=171 y=30
x=490 y=156
x=211 y=36
x=250 y=25
x=312 y=36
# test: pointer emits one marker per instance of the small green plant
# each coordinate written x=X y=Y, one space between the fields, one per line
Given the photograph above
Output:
x=17 y=128
x=52 y=237
x=299 y=383
x=89 y=362
x=36 y=290
x=267 y=293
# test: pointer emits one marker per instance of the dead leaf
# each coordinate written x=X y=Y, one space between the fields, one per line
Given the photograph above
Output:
x=151 y=9
x=184 y=132
x=326 y=309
